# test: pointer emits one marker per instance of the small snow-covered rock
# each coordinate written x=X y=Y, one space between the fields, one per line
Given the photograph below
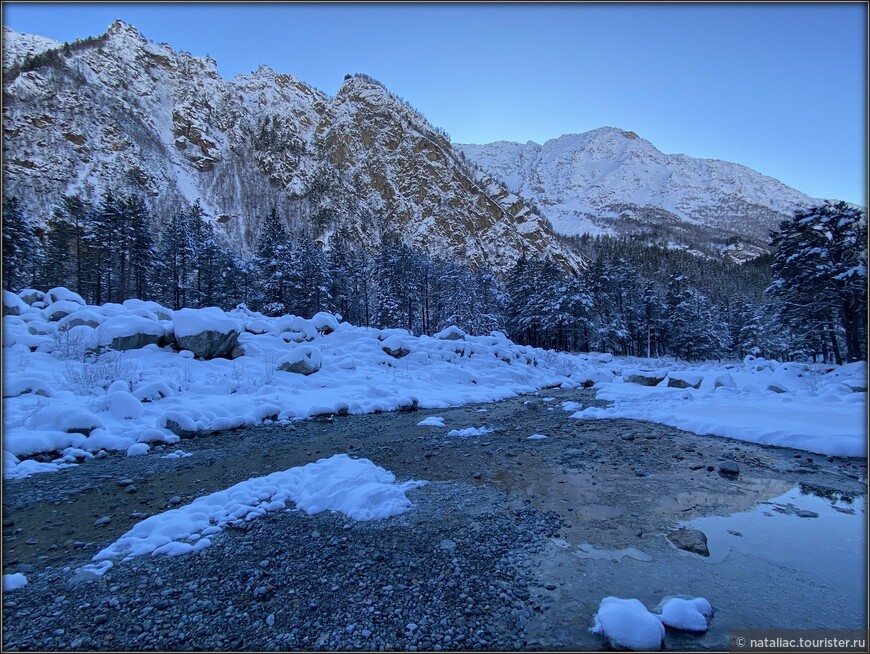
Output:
x=138 y=449
x=451 y=333
x=304 y=360
x=325 y=323
x=13 y=582
x=395 y=346
x=432 y=421
x=724 y=380
x=685 y=613
x=684 y=380
x=606 y=357
x=628 y=624
x=123 y=406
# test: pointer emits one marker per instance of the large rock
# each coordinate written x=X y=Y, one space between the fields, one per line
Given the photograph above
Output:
x=644 y=377
x=729 y=467
x=691 y=540
x=209 y=333
x=13 y=305
x=127 y=332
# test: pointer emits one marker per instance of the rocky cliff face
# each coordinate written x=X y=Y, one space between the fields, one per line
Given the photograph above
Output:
x=123 y=113
x=609 y=181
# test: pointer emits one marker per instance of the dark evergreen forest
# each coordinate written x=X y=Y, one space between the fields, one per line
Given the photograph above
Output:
x=807 y=300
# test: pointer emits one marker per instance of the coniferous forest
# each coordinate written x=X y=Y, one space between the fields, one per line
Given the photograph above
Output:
x=807 y=300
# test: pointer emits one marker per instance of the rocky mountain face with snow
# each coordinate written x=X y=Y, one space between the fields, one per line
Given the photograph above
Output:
x=610 y=181
x=119 y=112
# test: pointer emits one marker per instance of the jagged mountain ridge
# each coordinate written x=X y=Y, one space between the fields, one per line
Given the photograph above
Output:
x=124 y=113
x=610 y=181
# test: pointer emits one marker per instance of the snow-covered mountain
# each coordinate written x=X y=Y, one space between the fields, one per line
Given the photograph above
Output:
x=119 y=112
x=610 y=181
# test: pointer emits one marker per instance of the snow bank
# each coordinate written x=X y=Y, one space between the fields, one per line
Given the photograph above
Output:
x=355 y=487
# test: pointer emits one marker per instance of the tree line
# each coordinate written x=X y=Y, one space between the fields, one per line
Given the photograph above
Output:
x=807 y=300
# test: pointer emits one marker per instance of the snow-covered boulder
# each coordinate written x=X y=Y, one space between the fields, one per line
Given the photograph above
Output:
x=395 y=346
x=684 y=380
x=451 y=333
x=79 y=317
x=66 y=418
x=13 y=305
x=60 y=309
x=60 y=293
x=644 y=377
x=31 y=295
x=304 y=360
x=21 y=384
x=628 y=624
x=325 y=323
x=724 y=380
x=685 y=613
x=129 y=332
x=606 y=357
x=123 y=406
x=208 y=333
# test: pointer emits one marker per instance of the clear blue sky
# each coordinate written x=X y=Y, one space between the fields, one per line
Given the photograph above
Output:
x=780 y=88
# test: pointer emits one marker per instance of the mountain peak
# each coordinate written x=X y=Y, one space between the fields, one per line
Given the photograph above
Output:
x=121 y=29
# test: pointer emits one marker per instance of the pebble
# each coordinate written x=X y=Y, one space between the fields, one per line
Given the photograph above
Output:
x=102 y=521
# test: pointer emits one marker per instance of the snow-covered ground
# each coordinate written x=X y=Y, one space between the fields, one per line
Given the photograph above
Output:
x=67 y=391
x=59 y=398
x=812 y=407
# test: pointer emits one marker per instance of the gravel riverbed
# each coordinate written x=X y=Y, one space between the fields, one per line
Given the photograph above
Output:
x=486 y=560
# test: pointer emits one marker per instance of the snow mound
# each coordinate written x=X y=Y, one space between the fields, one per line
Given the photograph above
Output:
x=537 y=437
x=432 y=421
x=469 y=431
x=685 y=613
x=355 y=487
x=628 y=624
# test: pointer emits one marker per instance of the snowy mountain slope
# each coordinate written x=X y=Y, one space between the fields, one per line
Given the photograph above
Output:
x=18 y=46
x=609 y=181
x=119 y=112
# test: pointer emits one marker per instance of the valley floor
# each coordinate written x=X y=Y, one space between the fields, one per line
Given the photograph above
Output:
x=511 y=545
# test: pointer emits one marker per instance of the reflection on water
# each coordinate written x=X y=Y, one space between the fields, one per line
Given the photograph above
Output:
x=825 y=536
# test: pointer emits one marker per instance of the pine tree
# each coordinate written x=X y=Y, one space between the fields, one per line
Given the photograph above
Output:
x=141 y=250
x=820 y=274
x=274 y=265
x=20 y=246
